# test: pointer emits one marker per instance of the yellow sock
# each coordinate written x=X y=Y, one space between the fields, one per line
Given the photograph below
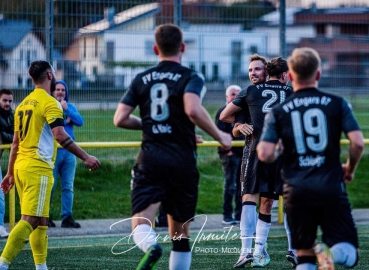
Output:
x=39 y=241
x=17 y=239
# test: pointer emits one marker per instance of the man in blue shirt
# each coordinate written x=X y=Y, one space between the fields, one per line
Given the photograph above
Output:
x=65 y=164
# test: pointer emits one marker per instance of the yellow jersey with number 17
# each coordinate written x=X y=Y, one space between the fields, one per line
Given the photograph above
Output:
x=32 y=119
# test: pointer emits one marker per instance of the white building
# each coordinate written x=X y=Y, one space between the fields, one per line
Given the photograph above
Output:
x=120 y=46
x=218 y=56
x=269 y=26
x=18 y=48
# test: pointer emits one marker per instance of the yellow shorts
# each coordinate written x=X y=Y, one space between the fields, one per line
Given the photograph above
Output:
x=34 y=192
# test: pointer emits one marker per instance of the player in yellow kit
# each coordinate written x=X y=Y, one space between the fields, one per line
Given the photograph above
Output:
x=38 y=126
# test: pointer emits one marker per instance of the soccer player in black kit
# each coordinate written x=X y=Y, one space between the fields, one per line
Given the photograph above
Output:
x=310 y=124
x=261 y=181
x=169 y=100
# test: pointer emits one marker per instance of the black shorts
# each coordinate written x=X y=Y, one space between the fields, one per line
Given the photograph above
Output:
x=334 y=219
x=260 y=177
x=176 y=188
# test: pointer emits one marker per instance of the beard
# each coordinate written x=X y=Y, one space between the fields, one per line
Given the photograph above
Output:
x=53 y=85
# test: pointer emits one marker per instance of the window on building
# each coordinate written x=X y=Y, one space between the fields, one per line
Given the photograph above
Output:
x=84 y=48
x=236 y=58
x=320 y=29
x=253 y=49
x=96 y=47
x=20 y=81
x=94 y=70
x=29 y=83
x=110 y=48
x=215 y=72
x=192 y=66
x=203 y=69
x=149 y=44
x=28 y=58
x=21 y=58
x=357 y=29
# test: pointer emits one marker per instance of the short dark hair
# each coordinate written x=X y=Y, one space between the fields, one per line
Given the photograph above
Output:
x=6 y=92
x=256 y=57
x=276 y=67
x=37 y=70
x=169 y=39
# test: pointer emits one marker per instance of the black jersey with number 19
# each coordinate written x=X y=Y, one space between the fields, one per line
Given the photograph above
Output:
x=168 y=133
x=310 y=123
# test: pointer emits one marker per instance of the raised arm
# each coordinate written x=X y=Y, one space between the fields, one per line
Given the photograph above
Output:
x=74 y=115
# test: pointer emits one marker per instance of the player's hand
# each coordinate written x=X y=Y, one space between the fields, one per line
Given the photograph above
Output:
x=7 y=183
x=278 y=150
x=92 y=163
x=64 y=104
x=347 y=175
x=245 y=129
x=225 y=140
x=199 y=138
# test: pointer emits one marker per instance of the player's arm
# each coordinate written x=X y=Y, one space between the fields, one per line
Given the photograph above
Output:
x=200 y=117
x=235 y=131
x=241 y=127
x=74 y=115
x=355 y=151
x=353 y=133
x=8 y=180
x=228 y=114
x=67 y=143
x=266 y=151
x=123 y=117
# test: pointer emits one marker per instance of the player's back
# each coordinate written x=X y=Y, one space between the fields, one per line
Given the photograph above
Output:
x=32 y=117
x=168 y=133
x=260 y=99
x=311 y=123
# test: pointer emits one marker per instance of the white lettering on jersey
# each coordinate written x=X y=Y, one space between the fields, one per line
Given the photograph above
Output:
x=159 y=76
x=310 y=161
x=146 y=78
x=160 y=128
x=306 y=101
